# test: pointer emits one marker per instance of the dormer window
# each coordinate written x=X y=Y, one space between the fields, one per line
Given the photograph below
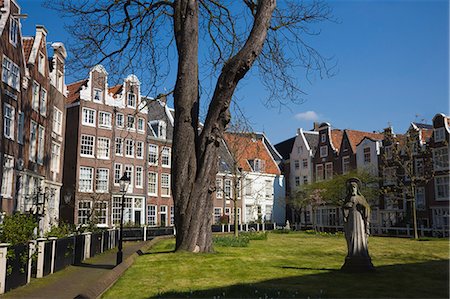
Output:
x=41 y=63
x=257 y=165
x=323 y=137
x=439 y=134
x=323 y=151
x=159 y=127
x=98 y=95
x=131 y=101
x=13 y=31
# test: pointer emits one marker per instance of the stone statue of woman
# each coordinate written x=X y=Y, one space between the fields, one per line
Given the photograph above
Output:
x=356 y=228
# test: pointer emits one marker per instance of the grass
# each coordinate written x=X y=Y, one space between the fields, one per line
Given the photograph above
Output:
x=290 y=265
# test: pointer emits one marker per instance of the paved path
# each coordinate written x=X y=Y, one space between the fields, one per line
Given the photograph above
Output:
x=76 y=280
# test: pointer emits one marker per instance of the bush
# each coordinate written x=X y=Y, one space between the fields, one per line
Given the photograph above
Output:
x=60 y=231
x=18 y=229
x=231 y=241
x=281 y=231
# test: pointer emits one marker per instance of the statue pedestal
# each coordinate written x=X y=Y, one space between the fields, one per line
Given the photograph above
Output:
x=357 y=264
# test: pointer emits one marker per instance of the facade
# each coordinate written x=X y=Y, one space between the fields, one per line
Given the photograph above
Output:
x=326 y=159
x=106 y=133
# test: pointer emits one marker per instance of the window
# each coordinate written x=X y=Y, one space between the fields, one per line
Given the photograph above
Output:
x=151 y=215
x=35 y=97
x=319 y=172
x=10 y=73
x=101 y=212
x=40 y=153
x=129 y=148
x=367 y=156
x=13 y=31
x=139 y=173
x=55 y=160
x=59 y=79
x=140 y=125
x=297 y=181
x=98 y=95
x=117 y=206
x=33 y=140
x=57 y=121
x=345 y=164
x=152 y=183
x=131 y=102
x=104 y=119
x=227 y=189
x=87 y=145
x=159 y=128
x=163 y=215
x=165 y=157
x=238 y=188
x=420 y=198
x=165 y=184
x=7 y=180
x=389 y=175
x=219 y=188
x=439 y=134
x=388 y=152
x=85 y=179
x=268 y=189
x=323 y=137
x=257 y=165
x=305 y=180
x=418 y=167
x=119 y=120
x=117 y=173
x=130 y=122
x=84 y=212
x=41 y=63
x=129 y=171
x=441 y=187
x=305 y=163
x=102 y=148
x=43 y=105
x=268 y=216
x=119 y=146
x=88 y=117
x=102 y=180
x=139 y=149
x=440 y=158
x=21 y=125
x=8 y=121
x=172 y=215
x=152 y=154
x=328 y=171
x=323 y=151
x=217 y=214
x=296 y=164
x=248 y=187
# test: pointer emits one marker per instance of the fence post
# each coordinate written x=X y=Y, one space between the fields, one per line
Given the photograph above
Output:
x=223 y=227
x=246 y=227
x=145 y=232
x=3 y=269
x=263 y=226
x=31 y=251
x=257 y=227
x=229 y=227
x=52 y=265
x=407 y=230
x=40 y=258
x=87 y=245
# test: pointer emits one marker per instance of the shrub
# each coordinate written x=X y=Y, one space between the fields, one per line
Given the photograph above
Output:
x=60 y=231
x=231 y=241
x=18 y=228
x=281 y=231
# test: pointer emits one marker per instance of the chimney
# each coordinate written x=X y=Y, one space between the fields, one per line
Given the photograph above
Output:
x=162 y=98
x=316 y=127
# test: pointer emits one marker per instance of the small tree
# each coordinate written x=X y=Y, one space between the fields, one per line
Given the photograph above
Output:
x=18 y=228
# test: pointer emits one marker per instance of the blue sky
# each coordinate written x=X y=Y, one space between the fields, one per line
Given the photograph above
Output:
x=393 y=64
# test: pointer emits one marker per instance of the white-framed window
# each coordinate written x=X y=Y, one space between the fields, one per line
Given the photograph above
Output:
x=345 y=164
x=102 y=148
x=131 y=100
x=165 y=157
x=35 y=97
x=152 y=154
x=41 y=141
x=130 y=172
x=130 y=122
x=10 y=73
x=217 y=214
x=20 y=129
x=159 y=127
x=87 y=146
x=119 y=146
x=163 y=215
x=239 y=187
x=129 y=148
x=141 y=125
x=420 y=198
x=7 y=180
x=102 y=180
x=389 y=175
x=441 y=187
x=98 y=95
x=219 y=188
x=367 y=155
x=13 y=31
x=101 y=212
x=297 y=181
x=151 y=215
x=41 y=63
x=268 y=216
x=56 y=157
x=257 y=165
x=172 y=215
x=43 y=101
x=268 y=189
x=139 y=149
x=88 y=117
x=104 y=119
x=86 y=179
x=419 y=167
x=323 y=137
x=319 y=172
x=296 y=164
x=324 y=151
x=117 y=173
x=227 y=189
x=152 y=183
x=8 y=121
x=57 y=121
x=440 y=158
x=305 y=163
x=388 y=151
x=59 y=79
x=33 y=140
x=165 y=184
x=248 y=187
x=84 y=211
x=439 y=134
x=119 y=120
x=116 y=208
x=139 y=176
x=328 y=171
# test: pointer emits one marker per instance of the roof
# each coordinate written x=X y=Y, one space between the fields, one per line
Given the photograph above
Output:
x=27 y=46
x=312 y=137
x=74 y=91
x=423 y=126
x=355 y=137
x=114 y=90
x=285 y=147
x=246 y=147
x=336 y=138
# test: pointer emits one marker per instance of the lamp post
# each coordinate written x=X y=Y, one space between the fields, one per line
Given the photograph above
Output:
x=123 y=182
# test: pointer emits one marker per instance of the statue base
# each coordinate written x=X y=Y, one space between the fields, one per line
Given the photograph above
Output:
x=358 y=264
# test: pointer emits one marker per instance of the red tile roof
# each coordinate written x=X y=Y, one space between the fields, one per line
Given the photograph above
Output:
x=74 y=91
x=355 y=137
x=426 y=135
x=247 y=147
x=114 y=90
x=27 y=46
x=336 y=138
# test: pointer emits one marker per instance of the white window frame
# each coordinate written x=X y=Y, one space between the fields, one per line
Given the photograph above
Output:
x=439 y=134
x=33 y=140
x=219 y=188
x=120 y=120
x=129 y=147
x=13 y=31
x=89 y=181
x=367 y=155
x=84 y=211
x=440 y=158
x=87 y=146
x=139 y=177
x=35 y=96
x=118 y=172
x=323 y=137
x=43 y=102
x=154 y=183
x=10 y=73
x=133 y=127
x=153 y=154
x=56 y=157
x=41 y=63
x=57 y=120
x=8 y=121
x=152 y=217
x=296 y=164
x=118 y=145
x=420 y=198
x=165 y=185
x=87 y=115
x=324 y=151
x=99 y=92
x=131 y=96
x=104 y=119
x=165 y=157
x=227 y=189
x=441 y=186
x=103 y=148
x=41 y=145
x=268 y=189
x=8 y=176
x=320 y=171
x=102 y=181
x=141 y=125
x=139 y=150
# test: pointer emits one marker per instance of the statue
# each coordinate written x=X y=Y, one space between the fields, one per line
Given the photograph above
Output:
x=356 y=228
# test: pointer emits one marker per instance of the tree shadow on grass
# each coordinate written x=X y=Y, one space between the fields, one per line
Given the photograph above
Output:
x=418 y=280
x=86 y=265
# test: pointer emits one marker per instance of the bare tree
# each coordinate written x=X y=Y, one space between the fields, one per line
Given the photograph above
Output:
x=138 y=35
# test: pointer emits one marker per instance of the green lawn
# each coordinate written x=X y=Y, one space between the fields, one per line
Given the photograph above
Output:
x=290 y=265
